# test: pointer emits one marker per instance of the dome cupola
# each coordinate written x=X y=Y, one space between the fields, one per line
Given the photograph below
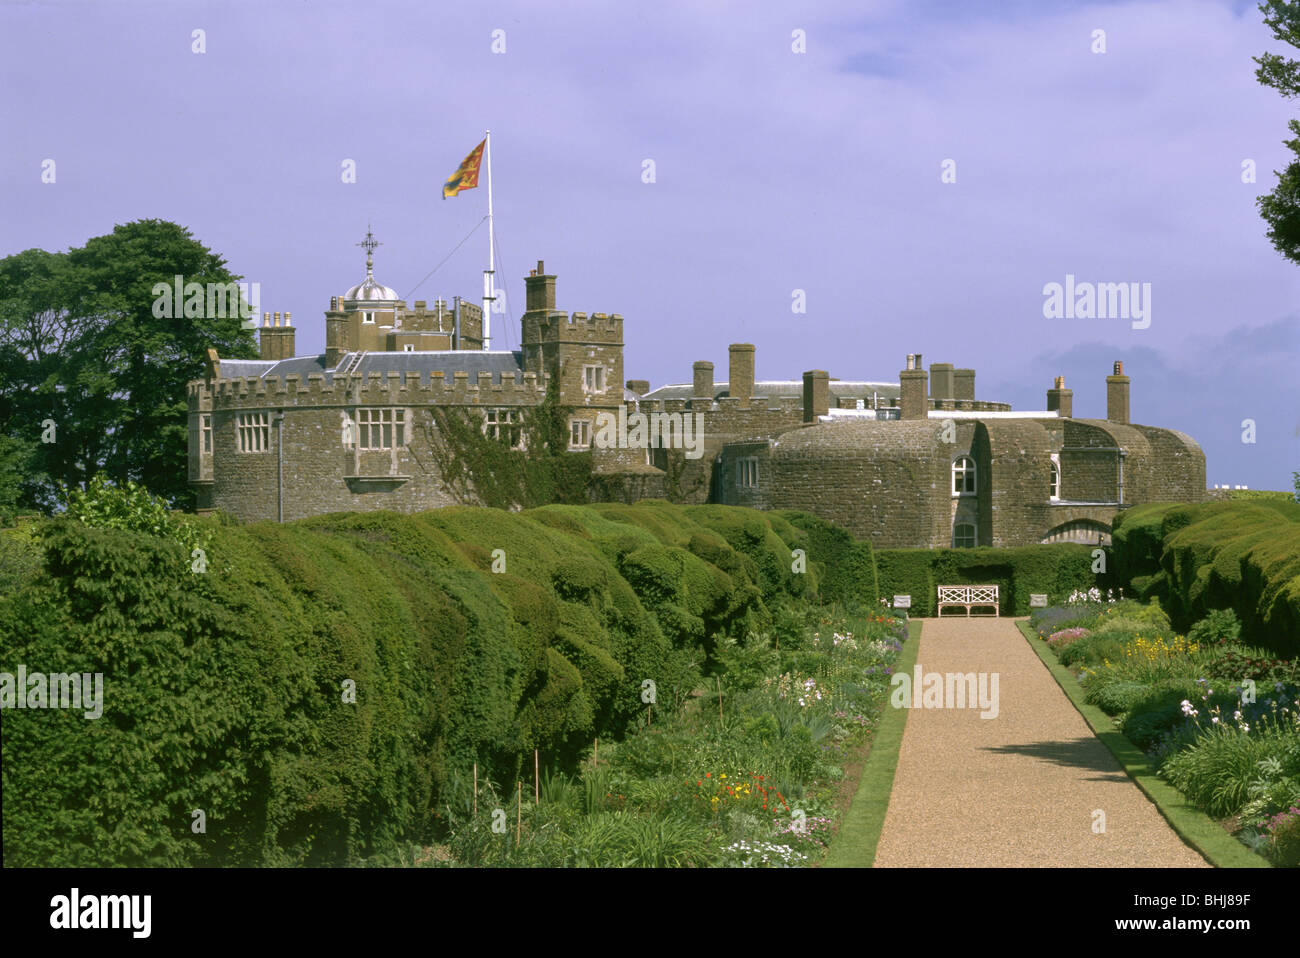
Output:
x=370 y=291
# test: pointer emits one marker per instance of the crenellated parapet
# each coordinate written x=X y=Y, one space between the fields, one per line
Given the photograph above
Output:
x=375 y=389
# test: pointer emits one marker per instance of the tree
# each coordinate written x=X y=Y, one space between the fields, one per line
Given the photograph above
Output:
x=82 y=349
x=1281 y=208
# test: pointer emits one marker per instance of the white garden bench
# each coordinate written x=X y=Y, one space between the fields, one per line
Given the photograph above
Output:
x=968 y=597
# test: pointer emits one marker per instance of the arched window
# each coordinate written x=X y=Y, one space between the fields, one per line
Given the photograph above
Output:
x=963 y=535
x=963 y=476
x=1056 y=477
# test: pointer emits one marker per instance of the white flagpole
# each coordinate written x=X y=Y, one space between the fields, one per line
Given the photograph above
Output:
x=489 y=293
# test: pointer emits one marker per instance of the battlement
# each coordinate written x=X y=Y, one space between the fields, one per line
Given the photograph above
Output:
x=554 y=326
x=375 y=390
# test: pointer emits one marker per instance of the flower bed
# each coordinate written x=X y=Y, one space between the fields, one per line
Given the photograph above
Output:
x=750 y=781
x=1220 y=721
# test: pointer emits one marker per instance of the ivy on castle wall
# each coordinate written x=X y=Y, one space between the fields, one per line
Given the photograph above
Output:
x=480 y=468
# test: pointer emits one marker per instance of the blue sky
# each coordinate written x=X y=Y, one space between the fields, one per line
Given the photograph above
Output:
x=775 y=171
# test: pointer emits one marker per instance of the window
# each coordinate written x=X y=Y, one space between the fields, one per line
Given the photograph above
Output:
x=254 y=431
x=408 y=347
x=1056 y=477
x=963 y=535
x=381 y=428
x=593 y=379
x=368 y=317
x=747 y=472
x=504 y=425
x=205 y=430
x=579 y=434
x=963 y=476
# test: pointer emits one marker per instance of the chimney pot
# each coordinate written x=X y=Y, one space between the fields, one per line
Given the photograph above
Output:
x=277 y=317
x=286 y=319
x=266 y=319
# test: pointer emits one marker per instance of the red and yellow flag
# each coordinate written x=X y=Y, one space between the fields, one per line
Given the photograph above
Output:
x=465 y=178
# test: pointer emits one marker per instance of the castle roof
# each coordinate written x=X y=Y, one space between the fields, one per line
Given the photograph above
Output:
x=446 y=361
x=785 y=389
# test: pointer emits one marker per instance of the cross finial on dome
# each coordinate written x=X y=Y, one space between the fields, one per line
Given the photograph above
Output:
x=369 y=244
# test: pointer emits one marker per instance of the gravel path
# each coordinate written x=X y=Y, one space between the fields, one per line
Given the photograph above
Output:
x=1017 y=790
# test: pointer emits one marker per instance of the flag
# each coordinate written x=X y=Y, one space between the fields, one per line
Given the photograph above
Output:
x=465 y=178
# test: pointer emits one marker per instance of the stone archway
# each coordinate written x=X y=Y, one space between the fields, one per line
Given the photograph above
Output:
x=1084 y=531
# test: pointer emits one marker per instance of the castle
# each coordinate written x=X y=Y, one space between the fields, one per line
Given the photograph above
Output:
x=915 y=463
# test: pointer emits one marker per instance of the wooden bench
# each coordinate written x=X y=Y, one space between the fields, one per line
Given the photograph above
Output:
x=968 y=597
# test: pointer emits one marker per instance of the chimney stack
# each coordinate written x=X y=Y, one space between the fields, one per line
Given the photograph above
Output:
x=703 y=388
x=1117 y=388
x=740 y=378
x=816 y=394
x=539 y=289
x=941 y=381
x=266 y=337
x=912 y=383
x=1060 y=400
x=275 y=340
x=963 y=384
x=639 y=386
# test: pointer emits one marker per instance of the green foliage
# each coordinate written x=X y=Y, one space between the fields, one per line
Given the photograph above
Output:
x=1218 y=626
x=130 y=507
x=80 y=347
x=1056 y=570
x=20 y=558
x=1218 y=769
x=1243 y=556
x=1281 y=208
x=227 y=691
x=1115 y=697
x=476 y=467
x=1274 y=495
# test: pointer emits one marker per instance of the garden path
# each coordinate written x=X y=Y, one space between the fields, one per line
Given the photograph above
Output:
x=1019 y=789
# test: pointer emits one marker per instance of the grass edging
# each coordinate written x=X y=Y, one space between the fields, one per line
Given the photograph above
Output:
x=854 y=845
x=1193 y=826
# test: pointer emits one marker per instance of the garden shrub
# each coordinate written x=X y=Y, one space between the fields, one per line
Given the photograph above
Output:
x=1116 y=696
x=225 y=690
x=1055 y=570
x=1218 y=626
x=1217 y=769
x=1240 y=555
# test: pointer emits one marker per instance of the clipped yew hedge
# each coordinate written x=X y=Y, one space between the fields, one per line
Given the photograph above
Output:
x=1056 y=570
x=225 y=690
x=1243 y=555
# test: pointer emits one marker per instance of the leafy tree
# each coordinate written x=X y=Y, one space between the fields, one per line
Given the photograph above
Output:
x=80 y=347
x=1281 y=208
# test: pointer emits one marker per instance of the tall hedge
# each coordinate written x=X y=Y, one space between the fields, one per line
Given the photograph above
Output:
x=1243 y=555
x=1054 y=570
x=226 y=691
